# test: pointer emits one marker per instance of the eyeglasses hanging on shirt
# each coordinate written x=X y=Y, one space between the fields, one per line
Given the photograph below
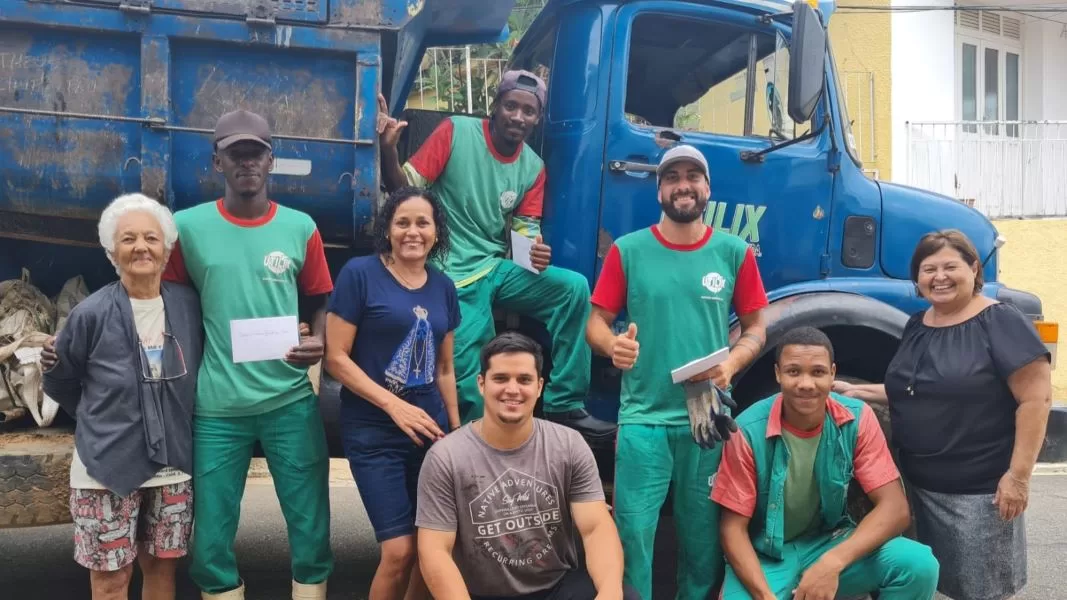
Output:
x=162 y=363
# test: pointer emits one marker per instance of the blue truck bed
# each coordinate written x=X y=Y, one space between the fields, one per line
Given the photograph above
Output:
x=108 y=97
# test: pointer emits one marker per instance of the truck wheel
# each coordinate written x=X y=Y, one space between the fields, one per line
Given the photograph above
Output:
x=858 y=503
x=35 y=477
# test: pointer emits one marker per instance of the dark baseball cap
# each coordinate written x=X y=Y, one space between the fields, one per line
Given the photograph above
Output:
x=241 y=125
x=525 y=81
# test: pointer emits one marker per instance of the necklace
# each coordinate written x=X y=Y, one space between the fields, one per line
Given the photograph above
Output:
x=404 y=280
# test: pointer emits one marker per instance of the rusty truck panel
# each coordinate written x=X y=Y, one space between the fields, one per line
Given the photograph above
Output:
x=106 y=97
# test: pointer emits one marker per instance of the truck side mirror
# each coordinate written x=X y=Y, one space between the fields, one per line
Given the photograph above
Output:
x=807 y=78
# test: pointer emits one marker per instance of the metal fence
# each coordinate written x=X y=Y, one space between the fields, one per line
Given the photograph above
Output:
x=1002 y=168
x=450 y=79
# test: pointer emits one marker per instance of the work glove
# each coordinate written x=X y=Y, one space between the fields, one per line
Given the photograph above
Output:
x=709 y=421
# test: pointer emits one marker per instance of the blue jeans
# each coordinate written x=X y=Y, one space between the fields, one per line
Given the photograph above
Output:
x=385 y=464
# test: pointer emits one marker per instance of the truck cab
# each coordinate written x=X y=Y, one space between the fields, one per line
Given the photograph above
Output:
x=753 y=85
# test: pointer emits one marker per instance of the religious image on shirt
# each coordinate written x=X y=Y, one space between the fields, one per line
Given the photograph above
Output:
x=414 y=360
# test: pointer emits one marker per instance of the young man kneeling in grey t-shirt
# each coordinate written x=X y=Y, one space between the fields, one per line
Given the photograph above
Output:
x=500 y=499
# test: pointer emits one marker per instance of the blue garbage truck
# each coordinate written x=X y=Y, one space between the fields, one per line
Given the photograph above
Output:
x=104 y=97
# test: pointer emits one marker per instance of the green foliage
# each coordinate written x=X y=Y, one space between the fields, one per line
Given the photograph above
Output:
x=443 y=75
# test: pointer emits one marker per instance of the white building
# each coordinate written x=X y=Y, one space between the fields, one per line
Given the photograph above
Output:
x=979 y=104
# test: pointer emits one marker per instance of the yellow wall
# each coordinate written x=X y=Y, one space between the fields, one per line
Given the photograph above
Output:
x=862 y=45
x=1032 y=260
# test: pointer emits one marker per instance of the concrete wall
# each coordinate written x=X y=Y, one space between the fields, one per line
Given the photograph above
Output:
x=862 y=44
x=923 y=73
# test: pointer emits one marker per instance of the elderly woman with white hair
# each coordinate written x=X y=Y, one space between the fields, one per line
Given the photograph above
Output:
x=125 y=367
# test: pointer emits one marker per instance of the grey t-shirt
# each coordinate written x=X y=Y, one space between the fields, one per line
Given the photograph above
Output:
x=510 y=509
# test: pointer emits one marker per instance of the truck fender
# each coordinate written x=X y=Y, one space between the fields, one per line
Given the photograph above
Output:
x=865 y=333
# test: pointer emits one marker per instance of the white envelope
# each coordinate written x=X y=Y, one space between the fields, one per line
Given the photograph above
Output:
x=263 y=339
x=684 y=372
x=520 y=251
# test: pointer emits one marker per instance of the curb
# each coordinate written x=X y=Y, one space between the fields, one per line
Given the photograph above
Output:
x=1055 y=448
x=1050 y=468
x=340 y=475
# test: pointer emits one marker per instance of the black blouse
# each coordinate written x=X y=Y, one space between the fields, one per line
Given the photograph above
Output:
x=952 y=413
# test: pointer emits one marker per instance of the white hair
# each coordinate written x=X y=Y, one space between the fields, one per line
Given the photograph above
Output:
x=109 y=221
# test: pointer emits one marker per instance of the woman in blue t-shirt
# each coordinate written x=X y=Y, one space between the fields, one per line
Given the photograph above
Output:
x=389 y=341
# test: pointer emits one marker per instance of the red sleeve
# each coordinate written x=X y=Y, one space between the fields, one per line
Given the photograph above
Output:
x=610 y=291
x=533 y=202
x=872 y=463
x=430 y=159
x=749 y=295
x=175 y=270
x=735 y=484
x=314 y=278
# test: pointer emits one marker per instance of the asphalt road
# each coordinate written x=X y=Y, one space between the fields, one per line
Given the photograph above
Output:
x=35 y=564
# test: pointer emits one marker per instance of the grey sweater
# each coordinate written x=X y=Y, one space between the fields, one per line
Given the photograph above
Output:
x=128 y=429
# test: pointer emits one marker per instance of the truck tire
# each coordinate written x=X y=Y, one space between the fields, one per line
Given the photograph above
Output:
x=35 y=477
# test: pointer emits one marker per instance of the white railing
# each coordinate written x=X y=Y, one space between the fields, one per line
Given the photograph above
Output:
x=1002 y=168
x=450 y=79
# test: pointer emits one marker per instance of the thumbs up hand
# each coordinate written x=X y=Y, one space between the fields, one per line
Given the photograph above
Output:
x=625 y=349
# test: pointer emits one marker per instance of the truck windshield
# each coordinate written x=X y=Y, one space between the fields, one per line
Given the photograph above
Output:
x=694 y=75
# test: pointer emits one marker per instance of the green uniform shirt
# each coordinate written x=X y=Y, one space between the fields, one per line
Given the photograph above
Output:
x=801 y=489
x=245 y=269
x=680 y=297
x=481 y=191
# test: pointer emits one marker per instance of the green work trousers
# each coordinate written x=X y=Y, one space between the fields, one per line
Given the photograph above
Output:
x=294 y=444
x=649 y=461
x=901 y=569
x=559 y=298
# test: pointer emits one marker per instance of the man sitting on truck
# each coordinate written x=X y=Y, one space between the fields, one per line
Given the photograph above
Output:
x=783 y=485
x=252 y=259
x=503 y=500
x=490 y=181
x=677 y=281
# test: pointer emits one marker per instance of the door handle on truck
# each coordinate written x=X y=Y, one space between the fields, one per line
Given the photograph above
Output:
x=623 y=166
x=140 y=7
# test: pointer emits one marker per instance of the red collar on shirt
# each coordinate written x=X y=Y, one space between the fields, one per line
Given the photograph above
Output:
x=247 y=222
x=840 y=414
x=682 y=247
x=492 y=148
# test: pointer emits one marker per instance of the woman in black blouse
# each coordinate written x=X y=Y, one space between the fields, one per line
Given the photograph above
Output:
x=969 y=393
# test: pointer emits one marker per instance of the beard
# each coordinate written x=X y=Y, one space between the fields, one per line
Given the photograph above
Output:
x=686 y=215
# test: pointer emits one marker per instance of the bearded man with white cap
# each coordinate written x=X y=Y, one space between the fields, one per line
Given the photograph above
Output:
x=677 y=281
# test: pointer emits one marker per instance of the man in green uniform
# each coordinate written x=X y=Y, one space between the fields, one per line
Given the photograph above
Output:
x=784 y=481
x=491 y=182
x=677 y=281
x=251 y=258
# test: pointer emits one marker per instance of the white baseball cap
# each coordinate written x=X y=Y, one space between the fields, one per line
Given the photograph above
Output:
x=682 y=152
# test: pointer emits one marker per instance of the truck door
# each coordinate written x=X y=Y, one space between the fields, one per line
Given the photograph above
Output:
x=717 y=79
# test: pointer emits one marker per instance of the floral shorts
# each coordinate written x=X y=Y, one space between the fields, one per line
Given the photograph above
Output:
x=107 y=527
